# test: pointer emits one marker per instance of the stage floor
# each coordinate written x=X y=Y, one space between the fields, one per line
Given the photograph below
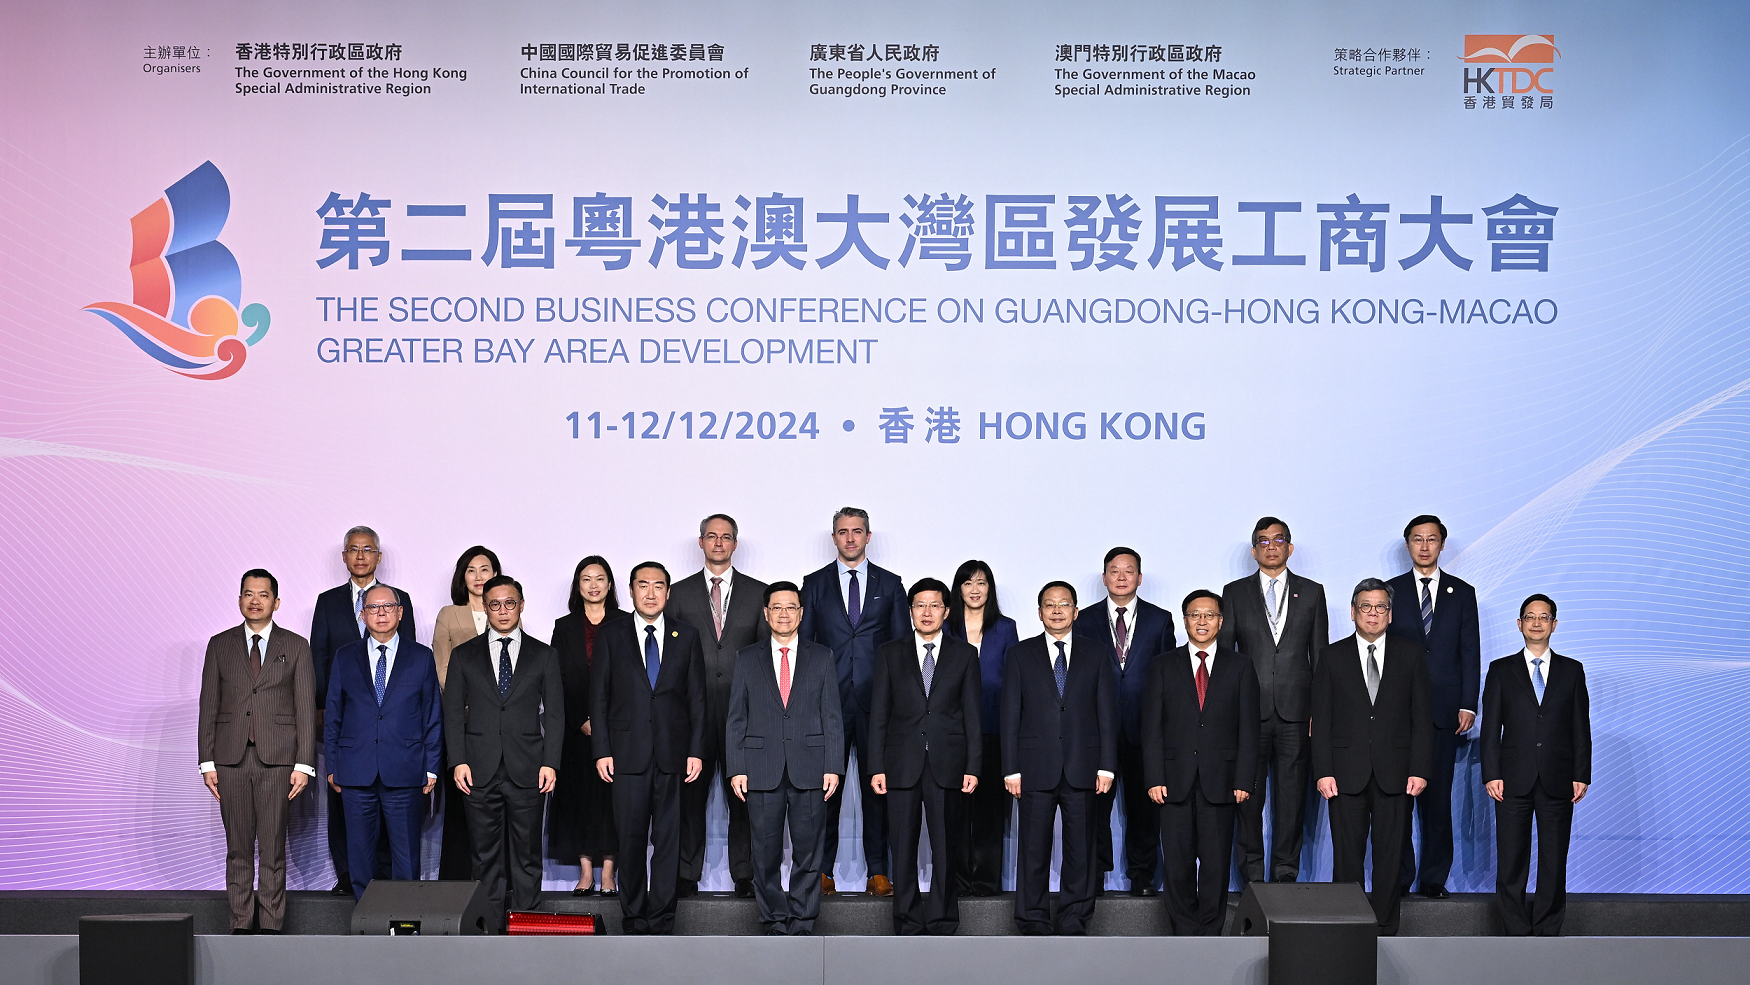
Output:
x=858 y=914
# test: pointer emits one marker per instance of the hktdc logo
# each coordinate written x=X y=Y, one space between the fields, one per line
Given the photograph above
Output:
x=1509 y=71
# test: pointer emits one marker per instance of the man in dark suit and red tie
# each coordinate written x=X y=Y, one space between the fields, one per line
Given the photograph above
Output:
x=1277 y=618
x=1370 y=745
x=1537 y=763
x=1136 y=630
x=925 y=751
x=647 y=703
x=1060 y=748
x=257 y=741
x=339 y=620
x=786 y=754
x=504 y=725
x=384 y=735
x=1443 y=619
x=1200 y=746
x=725 y=606
x=852 y=606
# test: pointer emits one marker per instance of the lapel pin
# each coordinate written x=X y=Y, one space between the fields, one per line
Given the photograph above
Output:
x=1449 y=589
x=674 y=632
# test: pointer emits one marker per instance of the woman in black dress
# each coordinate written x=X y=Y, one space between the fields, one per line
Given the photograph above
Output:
x=581 y=820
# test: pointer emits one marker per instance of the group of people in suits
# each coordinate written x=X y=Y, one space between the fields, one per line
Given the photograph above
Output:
x=629 y=716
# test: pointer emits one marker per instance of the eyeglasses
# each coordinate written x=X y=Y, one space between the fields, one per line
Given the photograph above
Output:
x=504 y=605
x=1057 y=605
x=784 y=610
x=382 y=606
x=928 y=607
x=1538 y=617
x=1202 y=616
x=1263 y=542
x=360 y=551
x=716 y=537
x=1380 y=607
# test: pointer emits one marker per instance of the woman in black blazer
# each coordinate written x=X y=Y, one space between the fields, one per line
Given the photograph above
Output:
x=580 y=823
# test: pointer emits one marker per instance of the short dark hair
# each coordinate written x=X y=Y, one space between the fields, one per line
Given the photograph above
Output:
x=927 y=585
x=1265 y=523
x=391 y=589
x=781 y=586
x=499 y=581
x=957 y=604
x=1539 y=597
x=640 y=566
x=459 y=583
x=845 y=511
x=734 y=528
x=1057 y=584
x=610 y=601
x=1425 y=518
x=1201 y=593
x=1371 y=585
x=1116 y=551
x=273 y=582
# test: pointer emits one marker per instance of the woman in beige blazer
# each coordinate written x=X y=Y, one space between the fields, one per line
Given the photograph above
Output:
x=456 y=624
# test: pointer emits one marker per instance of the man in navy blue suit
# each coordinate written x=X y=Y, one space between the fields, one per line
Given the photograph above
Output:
x=1136 y=631
x=852 y=607
x=1439 y=611
x=383 y=737
x=339 y=620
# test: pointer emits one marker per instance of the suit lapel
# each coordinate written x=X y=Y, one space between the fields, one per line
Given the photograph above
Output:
x=668 y=646
x=769 y=670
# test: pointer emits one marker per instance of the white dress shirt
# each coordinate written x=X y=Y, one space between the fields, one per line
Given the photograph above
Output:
x=358 y=591
x=638 y=625
x=1544 y=656
x=778 y=659
x=1361 y=646
x=1051 y=653
x=1433 y=590
x=1281 y=601
x=1129 y=625
x=862 y=583
x=723 y=590
x=266 y=631
x=1210 y=650
x=493 y=649
x=918 y=639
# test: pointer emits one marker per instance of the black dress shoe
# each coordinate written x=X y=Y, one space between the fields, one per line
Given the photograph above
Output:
x=744 y=889
x=1438 y=892
x=610 y=892
x=583 y=891
x=1141 y=889
x=268 y=931
x=342 y=888
x=685 y=888
x=241 y=931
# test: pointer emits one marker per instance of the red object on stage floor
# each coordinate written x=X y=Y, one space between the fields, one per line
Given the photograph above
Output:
x=525 y=923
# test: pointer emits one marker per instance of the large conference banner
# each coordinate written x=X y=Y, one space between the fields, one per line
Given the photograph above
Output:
x=1024 y=280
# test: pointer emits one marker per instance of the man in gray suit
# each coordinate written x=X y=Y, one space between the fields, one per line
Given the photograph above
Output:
x=257 y=741
x=724 y=605
x=786 y=753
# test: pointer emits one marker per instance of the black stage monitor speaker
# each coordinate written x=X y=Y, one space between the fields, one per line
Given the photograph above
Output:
x=422 y=909
x=1321 y=933
x=137 y=949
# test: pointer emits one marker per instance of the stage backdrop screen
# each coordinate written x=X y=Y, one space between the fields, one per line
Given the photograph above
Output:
x=1024 y=280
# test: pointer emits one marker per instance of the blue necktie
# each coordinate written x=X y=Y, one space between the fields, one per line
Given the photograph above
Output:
x=504 y=667
x=929 y=666
x=1060 y=669
x=381 y=679
x=652 y=655
x=358 y=609
x=1427 y=608
x=1537 y=683
x=854 y=604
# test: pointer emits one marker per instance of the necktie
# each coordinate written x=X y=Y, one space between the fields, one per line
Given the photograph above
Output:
x=1372 y=674
x=1275 y=609
x=929 y=667
x=382 y=677
x=784 y=675
x=854 y=604
x=1122 y=636
x=358 y=608
x=717 y=605
x=1427 y=608
x=652 y=655
x=1537 y=683
x=1060 y=669
x=255 y=654
x=503 y=667
x=1202 y=677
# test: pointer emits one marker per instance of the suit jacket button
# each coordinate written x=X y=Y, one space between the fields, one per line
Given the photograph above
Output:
x=1540 y=745
x=247 y=714
x=254 y=690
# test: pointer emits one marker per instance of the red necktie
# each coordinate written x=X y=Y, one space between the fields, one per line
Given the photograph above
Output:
x=1202 y=677
x=784 y=675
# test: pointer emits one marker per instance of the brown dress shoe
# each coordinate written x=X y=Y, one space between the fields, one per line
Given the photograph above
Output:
x=880 y=886
x=826 y=886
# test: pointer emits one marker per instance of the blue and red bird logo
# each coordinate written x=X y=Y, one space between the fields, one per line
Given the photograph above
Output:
x=188 y=291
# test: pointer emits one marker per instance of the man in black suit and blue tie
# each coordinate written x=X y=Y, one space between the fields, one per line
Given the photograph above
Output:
x=384 y=738
x=852 y=607
x=1060 y=749
x=337 y=621
x=785 y=750
x=1439 y=611
x=1537 y=763
x=647 y=687
x=1135 y=630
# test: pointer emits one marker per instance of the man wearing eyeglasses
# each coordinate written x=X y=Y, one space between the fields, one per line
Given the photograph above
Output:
x=504 y=726
x=1537 y=763
x=339 y=619
x=383 y=736
x=1371 y=752
x=1277 y=618
x=924 y=710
